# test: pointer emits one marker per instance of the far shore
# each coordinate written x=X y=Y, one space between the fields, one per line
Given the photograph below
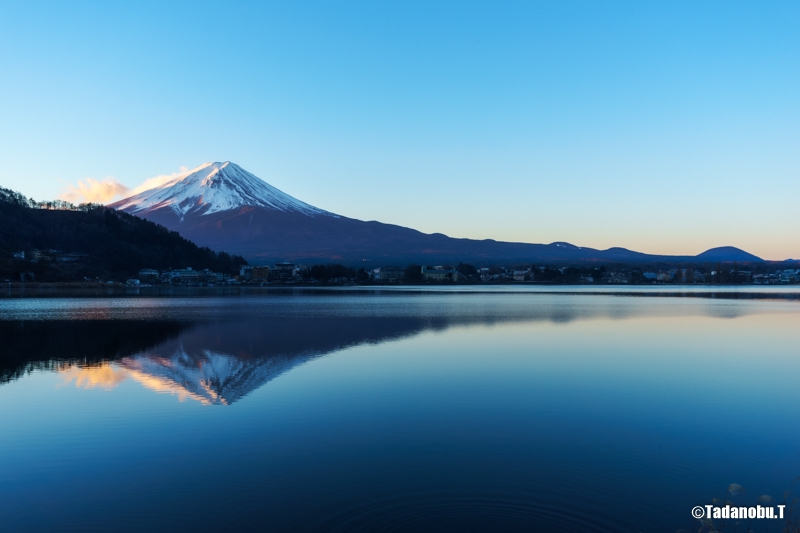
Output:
x=12 y=290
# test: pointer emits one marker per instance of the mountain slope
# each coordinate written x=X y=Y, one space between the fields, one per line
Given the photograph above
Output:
x=215 y=187
x=220 y=205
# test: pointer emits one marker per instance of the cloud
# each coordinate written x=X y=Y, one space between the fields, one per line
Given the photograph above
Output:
x=94 y=191
x=108 y=190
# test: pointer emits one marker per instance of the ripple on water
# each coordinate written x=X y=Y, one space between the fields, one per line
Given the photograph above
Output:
x=463 y=512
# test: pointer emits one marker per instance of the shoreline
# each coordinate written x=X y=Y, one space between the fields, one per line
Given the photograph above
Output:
x=93 y=290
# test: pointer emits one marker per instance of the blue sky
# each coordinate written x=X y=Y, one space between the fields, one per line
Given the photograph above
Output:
x=664 y=127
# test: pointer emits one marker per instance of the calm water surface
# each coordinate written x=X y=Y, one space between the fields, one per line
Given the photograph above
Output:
x=394 y=411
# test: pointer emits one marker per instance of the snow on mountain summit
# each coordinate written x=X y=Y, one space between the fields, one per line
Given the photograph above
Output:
x=214 y=187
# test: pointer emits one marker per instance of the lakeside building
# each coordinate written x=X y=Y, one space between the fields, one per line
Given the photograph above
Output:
x=188 y=275
x=617 y=278
x=260 y=273
x=55 y=255
x=390 y=274
x=283 y=271
x=522 y=275
x=41 y=255
x=148 y=274
x=780 y=277
x=789 y=276
x=185 y=275
x=286 y=272
x=439 y=273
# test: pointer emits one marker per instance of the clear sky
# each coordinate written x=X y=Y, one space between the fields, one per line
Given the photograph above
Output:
x=664 y=127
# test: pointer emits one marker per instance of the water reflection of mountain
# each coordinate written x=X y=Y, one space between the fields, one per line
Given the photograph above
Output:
x=224 y=361
x=217 y=362
x=226 y=351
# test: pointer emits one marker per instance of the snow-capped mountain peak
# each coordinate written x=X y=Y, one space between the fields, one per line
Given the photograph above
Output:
x=214 y=187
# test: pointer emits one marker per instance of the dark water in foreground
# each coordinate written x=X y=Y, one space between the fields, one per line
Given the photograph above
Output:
x=394 y=412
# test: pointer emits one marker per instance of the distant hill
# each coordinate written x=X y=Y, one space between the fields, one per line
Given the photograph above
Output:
x=117 y=245
x=728 y=253
x=222 y=205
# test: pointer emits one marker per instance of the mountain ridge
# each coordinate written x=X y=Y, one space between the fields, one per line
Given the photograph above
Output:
x=222 y=206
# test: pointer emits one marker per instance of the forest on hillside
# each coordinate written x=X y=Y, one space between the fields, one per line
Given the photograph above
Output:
x=105 y=243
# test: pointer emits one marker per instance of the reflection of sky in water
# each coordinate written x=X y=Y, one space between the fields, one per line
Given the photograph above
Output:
x=569 y=413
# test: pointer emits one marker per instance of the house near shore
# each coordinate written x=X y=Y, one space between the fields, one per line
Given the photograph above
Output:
x=284 y=271
x=439 y=273
x=388 y=274
x=522 y=275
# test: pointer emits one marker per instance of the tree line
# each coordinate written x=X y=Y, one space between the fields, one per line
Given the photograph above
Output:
x=7 y=195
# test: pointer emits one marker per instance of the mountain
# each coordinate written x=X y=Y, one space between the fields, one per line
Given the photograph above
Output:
x=728 y=253
x=213 y=188
x=222 y=206
x=115 y=243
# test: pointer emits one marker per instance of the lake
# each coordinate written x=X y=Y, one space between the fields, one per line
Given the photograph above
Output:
x=397 y=410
